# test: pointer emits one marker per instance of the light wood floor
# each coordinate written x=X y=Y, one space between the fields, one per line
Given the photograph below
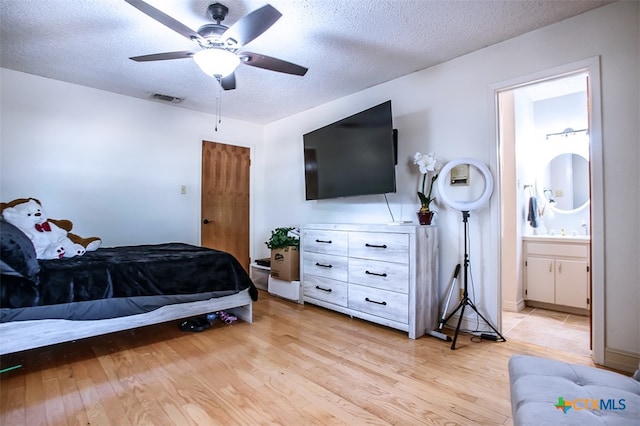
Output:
x=296 y=364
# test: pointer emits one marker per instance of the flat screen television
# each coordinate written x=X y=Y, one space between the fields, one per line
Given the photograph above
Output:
x=353 y=156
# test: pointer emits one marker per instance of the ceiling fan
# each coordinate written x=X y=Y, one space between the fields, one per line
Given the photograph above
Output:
x=219 y=53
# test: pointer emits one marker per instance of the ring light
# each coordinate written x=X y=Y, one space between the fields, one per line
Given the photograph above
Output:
x=466 y=206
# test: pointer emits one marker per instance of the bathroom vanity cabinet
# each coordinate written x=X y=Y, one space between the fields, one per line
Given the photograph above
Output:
x=557 y=270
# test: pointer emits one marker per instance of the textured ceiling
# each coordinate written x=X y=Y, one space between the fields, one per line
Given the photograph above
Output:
x=348 y=45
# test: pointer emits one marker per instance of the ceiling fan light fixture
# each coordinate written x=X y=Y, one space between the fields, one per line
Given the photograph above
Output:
x=216 y=62
x=219 y=43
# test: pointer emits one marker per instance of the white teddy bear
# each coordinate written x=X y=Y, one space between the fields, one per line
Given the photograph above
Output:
x=49 y=240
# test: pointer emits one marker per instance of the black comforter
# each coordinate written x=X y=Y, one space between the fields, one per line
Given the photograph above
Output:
x=119 y=281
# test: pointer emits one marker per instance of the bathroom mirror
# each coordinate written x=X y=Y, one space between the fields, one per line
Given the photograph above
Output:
x=564 y=183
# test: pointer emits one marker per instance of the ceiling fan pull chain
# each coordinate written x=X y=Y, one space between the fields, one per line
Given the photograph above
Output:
x=218 y=103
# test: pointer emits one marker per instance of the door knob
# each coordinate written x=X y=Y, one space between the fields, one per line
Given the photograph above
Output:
x=207 y=221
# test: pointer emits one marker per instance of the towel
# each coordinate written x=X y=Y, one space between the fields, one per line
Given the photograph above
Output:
x=532 y=217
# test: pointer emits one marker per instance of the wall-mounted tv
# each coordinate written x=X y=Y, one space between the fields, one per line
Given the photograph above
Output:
x=353 y=156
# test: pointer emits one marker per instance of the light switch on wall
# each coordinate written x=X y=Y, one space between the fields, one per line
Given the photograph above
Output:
x=183 y=189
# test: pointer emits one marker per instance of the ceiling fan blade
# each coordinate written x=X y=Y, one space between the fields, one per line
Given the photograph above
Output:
x=228 y=82
x=251 y=26
x=183 y=54
x=273 y=64
x=167 y=20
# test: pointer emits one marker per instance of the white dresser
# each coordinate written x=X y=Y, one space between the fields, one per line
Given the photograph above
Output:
x=387 y=274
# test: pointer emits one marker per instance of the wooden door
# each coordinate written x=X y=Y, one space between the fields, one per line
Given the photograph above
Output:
x=225 y=199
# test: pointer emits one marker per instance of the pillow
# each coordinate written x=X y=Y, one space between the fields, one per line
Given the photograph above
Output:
x=17 y=253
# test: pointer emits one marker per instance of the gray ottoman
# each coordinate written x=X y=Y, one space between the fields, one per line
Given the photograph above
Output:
x=548 y=392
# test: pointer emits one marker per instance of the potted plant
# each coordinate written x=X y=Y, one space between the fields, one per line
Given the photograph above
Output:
x=428 y=164
x=281 y=238
x=285 y=257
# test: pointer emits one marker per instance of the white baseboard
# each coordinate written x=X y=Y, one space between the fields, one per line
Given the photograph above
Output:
x=621 y=360
x=511 y=306
x=469 y=322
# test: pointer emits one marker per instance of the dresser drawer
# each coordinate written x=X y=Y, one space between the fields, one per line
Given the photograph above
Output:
x=384 y=275
x=325 y=265
x=381 y=303
x=329 y=242
x=379 y=246
x=325 y=289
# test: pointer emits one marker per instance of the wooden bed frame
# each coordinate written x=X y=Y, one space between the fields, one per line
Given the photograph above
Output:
x=22 y=335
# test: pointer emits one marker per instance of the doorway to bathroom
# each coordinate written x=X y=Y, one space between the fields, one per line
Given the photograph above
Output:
x=545 y=145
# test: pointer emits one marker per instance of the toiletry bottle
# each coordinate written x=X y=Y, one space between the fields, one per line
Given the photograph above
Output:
x=585 y=228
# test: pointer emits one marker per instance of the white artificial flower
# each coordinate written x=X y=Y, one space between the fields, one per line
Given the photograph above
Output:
x=426 y=162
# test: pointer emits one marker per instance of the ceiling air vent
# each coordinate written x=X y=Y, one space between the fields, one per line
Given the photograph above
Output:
x=166 y=98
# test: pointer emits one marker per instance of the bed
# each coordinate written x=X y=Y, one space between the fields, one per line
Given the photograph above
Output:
x=44 y=302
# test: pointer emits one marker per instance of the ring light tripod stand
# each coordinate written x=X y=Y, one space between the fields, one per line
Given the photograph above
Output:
x=465 y=207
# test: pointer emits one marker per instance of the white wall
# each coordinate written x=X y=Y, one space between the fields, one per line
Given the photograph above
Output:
x=112 y=164
x=447 y=109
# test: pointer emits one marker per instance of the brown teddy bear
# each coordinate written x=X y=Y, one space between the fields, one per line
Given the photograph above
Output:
x=51 y=238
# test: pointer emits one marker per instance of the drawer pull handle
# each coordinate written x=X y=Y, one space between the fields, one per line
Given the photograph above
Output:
x=376 y=274
x=322 y=265
x=323 y=241
x=373 y=301
x=328 y=290
x=382 y=246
